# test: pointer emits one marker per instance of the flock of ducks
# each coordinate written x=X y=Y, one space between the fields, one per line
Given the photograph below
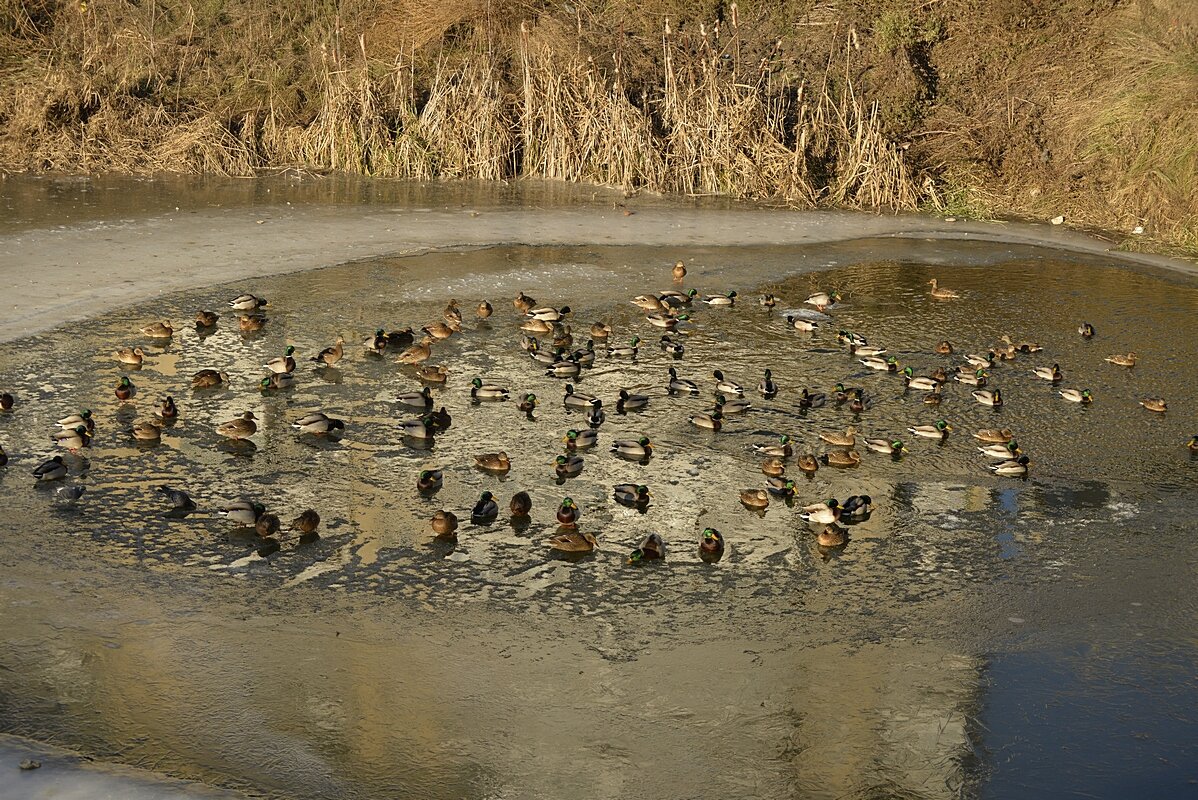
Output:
x=548 y=338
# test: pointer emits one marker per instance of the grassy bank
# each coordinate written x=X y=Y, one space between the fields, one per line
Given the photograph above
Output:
x=1086 y=108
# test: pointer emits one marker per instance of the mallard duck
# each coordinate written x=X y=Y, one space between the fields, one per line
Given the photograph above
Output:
x=536 y=326
x=524 y=303
x=452 y=313
x=631 y=494
x=251 y=323
x=755 y=498
x=977 y=378
x=712 y=422
x=74 y=439
x=988 y=397
x=807 y=462
x=445 y=525
x=919 y=382
x=398 y=339
x=939 y=430
x=493 y=462
x=846 y=439
x=566 y=368
x=487 y=391
x=547 y=313
x=430 y=480
x=978 y=361
x=866 y=350
x=720 y=299
x=944 y=348
x=147 y=432
x=1193 y=443
x=596 y=415
x=823 y=513
x=421 y=399
x=768 y=387
x=822 y=300
x=528 y=404
x=1086 y=330
x=206 y=319
x=843 y=393
x=84 y=418
x=809 y=400
x=167 y=409
x=1005 y=450
x=886 y=446
x=376 y=343
x=431 y=374
x=306 y=523
x=679 y=271
x=1022 y=347
x=318 y=424
x=801 y=324
x=242 y=427
x=1075 y=396
x=247 y=302
x=600 y=330
x=841 y=458
x=1154 y=404
x=179 y=499
x=649 y=302
x=781 y=450
x=130 y=355
x=485 y=310
x=628 y=352
x=651 y=548
x=1128 y=360
x=681 y=385
x=159 y=330
x=711 y=544
x=1002 y=353
x=439 y=420
x=209 y=378
x=568 y=512
x=633 y=448
x=780 y=487
x=330 y=356
x=125 y=388
x=857 y=403
x=888 y=364
x=768 y=300
x=1051 y=374
x=243 y=512
x=420 y=429
x=6 y=401
x=933 y=397
x=276 y=381
x=672 y=348
x=573 y=542
x=567 y=466
x=1015 y=467
x=51 y=470
x=631 y=402
x=485 y=510
x=267 y=525
x=774 y=467
x=440 y=330
x=859 y=506
x=941 y=293
x=574 y=399
x=417 y=353
x=850 y=338
x=585 y=357
x=997 y=435
x=520 y=505
x=283 y=363
x=832 y=535
x=726 y=406
x=581 y=440
x=726 y=387
x=676 y=299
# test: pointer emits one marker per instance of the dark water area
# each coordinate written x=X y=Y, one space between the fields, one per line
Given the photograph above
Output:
x=978 y=635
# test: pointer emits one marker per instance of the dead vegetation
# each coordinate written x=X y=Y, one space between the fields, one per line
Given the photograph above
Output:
x=985 y=107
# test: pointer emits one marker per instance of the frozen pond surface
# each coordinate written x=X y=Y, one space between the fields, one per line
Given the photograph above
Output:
x=978 y=635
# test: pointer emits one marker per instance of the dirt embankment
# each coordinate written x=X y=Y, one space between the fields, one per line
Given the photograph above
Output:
x=1081 y=108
